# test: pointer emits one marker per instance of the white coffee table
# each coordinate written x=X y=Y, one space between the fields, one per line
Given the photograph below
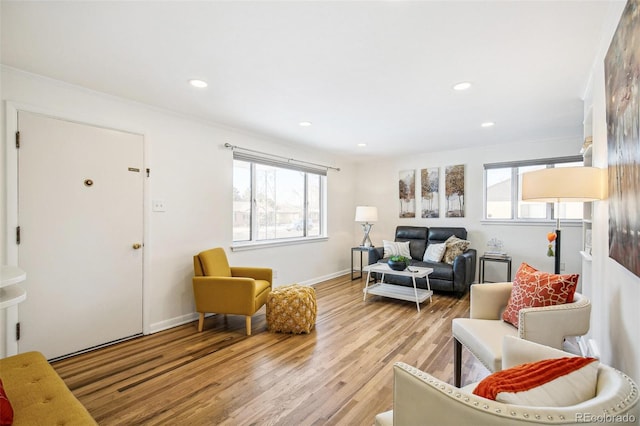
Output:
x=395 y=291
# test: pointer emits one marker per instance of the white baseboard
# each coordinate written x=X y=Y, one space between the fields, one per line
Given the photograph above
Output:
x=183 y=319
x=323 y=278
x=172 y=322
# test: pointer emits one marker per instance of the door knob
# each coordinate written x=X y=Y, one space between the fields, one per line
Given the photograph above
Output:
x=136 y=246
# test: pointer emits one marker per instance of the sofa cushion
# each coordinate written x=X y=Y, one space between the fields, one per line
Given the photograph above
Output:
x=559 y=382
x=442 y=234
x=442 y=271
x=434 y=252
x=417 y=236
x=393 y=248
x=6 y=411
x=454 y=247
x=411 y=233
x=533 y=288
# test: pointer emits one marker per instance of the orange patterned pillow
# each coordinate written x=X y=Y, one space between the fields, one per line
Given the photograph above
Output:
x=533 y=288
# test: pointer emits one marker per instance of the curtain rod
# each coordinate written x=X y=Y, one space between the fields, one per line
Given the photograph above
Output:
x=234 y=147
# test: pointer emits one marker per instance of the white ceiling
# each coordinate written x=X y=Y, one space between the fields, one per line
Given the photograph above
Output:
x=374 y=72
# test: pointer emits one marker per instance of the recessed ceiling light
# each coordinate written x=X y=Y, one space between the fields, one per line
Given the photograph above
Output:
x=463 y=85
x=305 y=123
x=488 y=124
x=198 y=83
x=362 y=145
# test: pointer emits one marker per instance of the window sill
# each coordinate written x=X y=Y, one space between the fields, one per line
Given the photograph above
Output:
x=275 y=243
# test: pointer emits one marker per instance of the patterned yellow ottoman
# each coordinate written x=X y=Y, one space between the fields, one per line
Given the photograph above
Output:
x=291 y=309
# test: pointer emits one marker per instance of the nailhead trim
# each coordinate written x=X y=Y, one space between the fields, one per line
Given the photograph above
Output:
x=629 y=398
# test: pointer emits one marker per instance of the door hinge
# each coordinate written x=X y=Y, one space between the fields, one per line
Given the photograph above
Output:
x=148 y=171
x=18 y=140
x=17 y=235
x=17 y=331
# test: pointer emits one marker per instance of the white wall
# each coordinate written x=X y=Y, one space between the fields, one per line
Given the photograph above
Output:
x=188 y=165
x=192 y=172
x=523 y=242
x=616 y=291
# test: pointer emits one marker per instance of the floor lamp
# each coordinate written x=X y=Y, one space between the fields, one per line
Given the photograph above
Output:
x=366 y=214
x=563 y=184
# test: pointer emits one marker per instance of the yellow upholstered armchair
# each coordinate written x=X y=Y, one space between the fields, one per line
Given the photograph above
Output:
x=219 y=288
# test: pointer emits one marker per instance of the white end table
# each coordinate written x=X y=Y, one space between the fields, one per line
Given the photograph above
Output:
x=395 y=291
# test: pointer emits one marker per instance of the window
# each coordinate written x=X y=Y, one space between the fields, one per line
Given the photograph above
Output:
x=503 y=188
x=275 y=200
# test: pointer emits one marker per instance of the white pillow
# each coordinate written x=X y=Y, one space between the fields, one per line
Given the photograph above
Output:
x=393 y=248
x=434 y=252
x=560 y=382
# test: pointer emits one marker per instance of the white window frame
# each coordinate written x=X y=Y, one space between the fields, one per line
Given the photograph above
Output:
x=253 y=241
x=515 y=189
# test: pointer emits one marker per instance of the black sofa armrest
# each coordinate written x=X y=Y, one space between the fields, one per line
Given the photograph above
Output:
x=375 y=254
x=464 y=271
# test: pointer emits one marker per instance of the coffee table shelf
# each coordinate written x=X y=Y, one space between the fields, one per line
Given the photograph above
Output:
x=411 y=294
x=399 y=292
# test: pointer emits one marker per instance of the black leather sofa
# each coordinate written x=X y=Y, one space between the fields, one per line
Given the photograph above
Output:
x=445 y=277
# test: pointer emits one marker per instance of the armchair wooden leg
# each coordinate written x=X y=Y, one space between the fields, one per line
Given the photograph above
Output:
x=457 y=362
x=248 y=320
x=201 y=321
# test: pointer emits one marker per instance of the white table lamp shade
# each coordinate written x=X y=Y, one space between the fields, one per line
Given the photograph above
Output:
x=564 y=184
x=366 y=214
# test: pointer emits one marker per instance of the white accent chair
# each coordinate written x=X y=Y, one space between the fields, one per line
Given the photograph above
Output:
x=482 y=333
x=421 y=399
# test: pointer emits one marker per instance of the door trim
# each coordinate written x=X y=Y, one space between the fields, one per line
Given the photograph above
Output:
x=11 y=183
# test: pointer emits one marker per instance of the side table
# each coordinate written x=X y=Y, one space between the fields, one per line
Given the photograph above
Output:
x=360 y=249
x=484 y=259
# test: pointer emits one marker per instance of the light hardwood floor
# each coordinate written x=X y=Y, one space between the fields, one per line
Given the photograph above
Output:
x=340 y=374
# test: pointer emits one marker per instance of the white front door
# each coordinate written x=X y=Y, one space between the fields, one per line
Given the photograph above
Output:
x=80 y=212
